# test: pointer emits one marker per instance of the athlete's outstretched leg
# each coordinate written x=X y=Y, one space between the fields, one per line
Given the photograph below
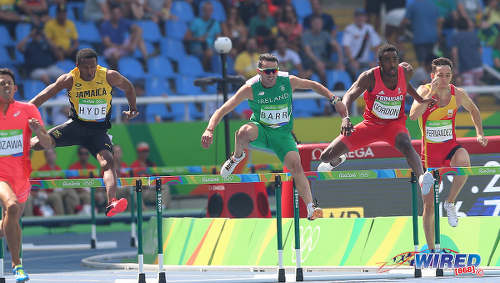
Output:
x=105 y=158
x=292 y=162
x=246 y=133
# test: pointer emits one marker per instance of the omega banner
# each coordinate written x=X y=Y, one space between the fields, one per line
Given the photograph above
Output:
x=480 y=195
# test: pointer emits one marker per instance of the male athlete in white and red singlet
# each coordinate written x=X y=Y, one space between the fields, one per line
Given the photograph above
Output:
x=384 y=88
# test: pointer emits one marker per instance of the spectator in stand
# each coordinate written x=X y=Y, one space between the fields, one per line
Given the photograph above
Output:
x=201 y=35
x=422 y=74
x=120 y=165
x=448 y=13
x=373 y=9
x=10 y=16
x=247 y=61
x=62 y=34
x=114 y=37
x=289 y=27
x=496 y=55
x=359 y=41
x=247 y=10
x=492 y=13
x=140 y=165
x=317 y=11
x=96 y=11
x=63 y=201
x=466 y=54
x=471 y=11
x=39 y=54
x=262 y=26
x=235 y=28
x=160 y=10
x=289 y=60
x=317 y=43
x=423 y=18
x=84 y=193
x=36 y=10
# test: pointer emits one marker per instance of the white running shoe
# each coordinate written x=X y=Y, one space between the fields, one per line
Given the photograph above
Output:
x=230 y=164
x=452 y=213
x=426 y=182
x=328 y=166
x=314 y=211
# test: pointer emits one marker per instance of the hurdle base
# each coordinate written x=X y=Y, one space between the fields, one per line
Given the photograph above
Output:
x=93 y=244
x=299 y=274
x=132 y=242
x=162 y=278
x=142 y=278
x=439 y=272
x=418 y=273
x=281 y=275
x=2 y=280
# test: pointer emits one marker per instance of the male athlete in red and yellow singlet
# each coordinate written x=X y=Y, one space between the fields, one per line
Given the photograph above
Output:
x=439 y=144
x=384 y=89
x=18 y=120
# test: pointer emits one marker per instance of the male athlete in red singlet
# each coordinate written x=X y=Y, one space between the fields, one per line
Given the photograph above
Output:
x=17 y=122
x=439 y=143
x=384 y=89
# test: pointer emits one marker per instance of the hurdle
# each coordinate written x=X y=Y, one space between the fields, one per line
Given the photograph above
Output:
x=248 y=178
x=93 y=183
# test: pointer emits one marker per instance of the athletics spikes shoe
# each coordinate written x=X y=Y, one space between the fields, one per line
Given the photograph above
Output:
x=230 y=164
x=19 y=274
x=329 y=166
x=315 y=211
x=452 y=213
x=426 y=182
x=116 y=206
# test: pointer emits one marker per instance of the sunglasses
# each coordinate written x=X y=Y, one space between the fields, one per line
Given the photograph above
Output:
x=269 y=71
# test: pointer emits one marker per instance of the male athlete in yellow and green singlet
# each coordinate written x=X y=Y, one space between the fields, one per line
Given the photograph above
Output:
x=89 y=89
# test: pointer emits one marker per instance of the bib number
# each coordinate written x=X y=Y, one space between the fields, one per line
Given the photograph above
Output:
x=92 y=109
x=386 y=109
x=11 y=142
x=439 y=131
x=274 y=116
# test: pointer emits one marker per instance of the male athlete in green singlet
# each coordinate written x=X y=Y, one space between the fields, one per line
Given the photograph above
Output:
x=270 y=97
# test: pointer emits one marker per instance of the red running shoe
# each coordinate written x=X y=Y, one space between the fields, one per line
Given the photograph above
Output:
x=116 y=206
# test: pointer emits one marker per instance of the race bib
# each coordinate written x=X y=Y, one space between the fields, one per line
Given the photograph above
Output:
x=11 y=142
x=386 y=109
x=274 y=116
x=92 y=109
x=439 y=131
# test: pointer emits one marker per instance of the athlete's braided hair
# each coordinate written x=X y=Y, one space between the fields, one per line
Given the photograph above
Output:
x=8 y=72
x=441 y=61
x=85 y=54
